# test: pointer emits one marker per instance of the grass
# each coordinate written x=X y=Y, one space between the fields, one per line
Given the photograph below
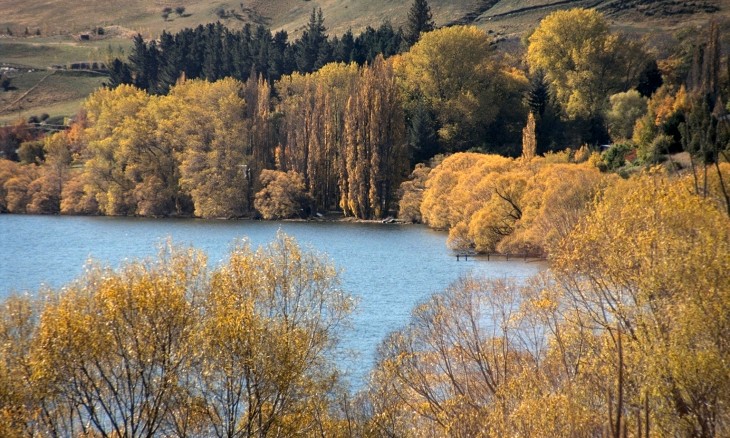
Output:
x=57 y=94
x=40 y=54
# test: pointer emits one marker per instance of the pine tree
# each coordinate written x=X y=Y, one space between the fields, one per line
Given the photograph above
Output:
x=170 y=63
x=312 y=42
x=650 y=79
x=538 y=95
x=138 y=61
x=119 y=74
x=422 y=136
x=420 y=20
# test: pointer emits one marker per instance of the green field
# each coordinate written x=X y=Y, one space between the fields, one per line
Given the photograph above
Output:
x=57 y=93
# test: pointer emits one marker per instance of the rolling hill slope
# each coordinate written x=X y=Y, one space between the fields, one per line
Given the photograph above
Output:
x=73 y=16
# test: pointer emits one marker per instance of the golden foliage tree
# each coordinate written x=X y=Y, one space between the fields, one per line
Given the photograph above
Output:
x=375 y=156
x=454 y=72
x=271 y=323
x=113 y=346
x=583 y=61
x=645 y=265
x=209 y=126
x=169 y=347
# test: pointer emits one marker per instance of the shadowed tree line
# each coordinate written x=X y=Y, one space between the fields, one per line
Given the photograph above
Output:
x=214 y=51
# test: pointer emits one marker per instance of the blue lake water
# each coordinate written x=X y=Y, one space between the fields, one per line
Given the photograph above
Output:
x=389 y=268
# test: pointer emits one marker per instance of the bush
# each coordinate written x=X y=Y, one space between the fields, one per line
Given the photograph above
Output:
x=31 y=152
x=652 y=153
x=283 y=195
x=615 y=156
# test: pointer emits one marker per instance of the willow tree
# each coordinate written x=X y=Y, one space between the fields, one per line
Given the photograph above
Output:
x=112 y=348
x=648 y=265
x=272 y=318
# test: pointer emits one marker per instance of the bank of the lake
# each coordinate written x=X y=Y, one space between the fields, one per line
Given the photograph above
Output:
x=388 y=268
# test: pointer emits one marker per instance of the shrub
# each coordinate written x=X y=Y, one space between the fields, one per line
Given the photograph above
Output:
x=283 y=195
x=615 y=156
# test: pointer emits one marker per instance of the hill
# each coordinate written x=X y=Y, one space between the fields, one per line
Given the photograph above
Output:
x=35 y=34
x=67 y=17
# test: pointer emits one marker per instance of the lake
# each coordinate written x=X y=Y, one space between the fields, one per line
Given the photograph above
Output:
x=389 y=268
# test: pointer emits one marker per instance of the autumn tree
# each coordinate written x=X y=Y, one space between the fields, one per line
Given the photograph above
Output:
x=375 y=155
x=114 y=345
x=168 y=346
x=272 y=317
x=647 y=294
x=583 y=61
x=451 y=370
x=411 y=194
x=18 y=391
x=625 y=110
x=107 y=110
x=554 y=202
x=209 y=126
x=705 y=133
x=313 y=129
x=283 y=195
x=529 y=140
x=453 y=71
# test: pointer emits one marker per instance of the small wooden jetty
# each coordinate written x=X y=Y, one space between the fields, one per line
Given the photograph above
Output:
x=497 y=255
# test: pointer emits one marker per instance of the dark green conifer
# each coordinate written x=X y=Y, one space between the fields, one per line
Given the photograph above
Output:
x=420 y=20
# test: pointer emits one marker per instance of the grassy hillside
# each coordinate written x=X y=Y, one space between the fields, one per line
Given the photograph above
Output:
x=66 y=17
x=67 y=34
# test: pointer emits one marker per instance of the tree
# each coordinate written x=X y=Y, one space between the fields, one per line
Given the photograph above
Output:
x=180 y=10
x=583 y=61
x=538 y=95
x=109 y=111
x=283 y=195
x=375 y=156
x=529 y=140
x=411 y=194
x=452 y=71
x=452 y=369
x=5 y=82
x=144 y=64
x=209 y=125
x=313 y=44
x=18 y=327
x=422 y=132
x=420 y=20
x=119 y=74
x=114 y=347
x=626 y=108
x=647 y=262
x=272 y=318
x=650 y=79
